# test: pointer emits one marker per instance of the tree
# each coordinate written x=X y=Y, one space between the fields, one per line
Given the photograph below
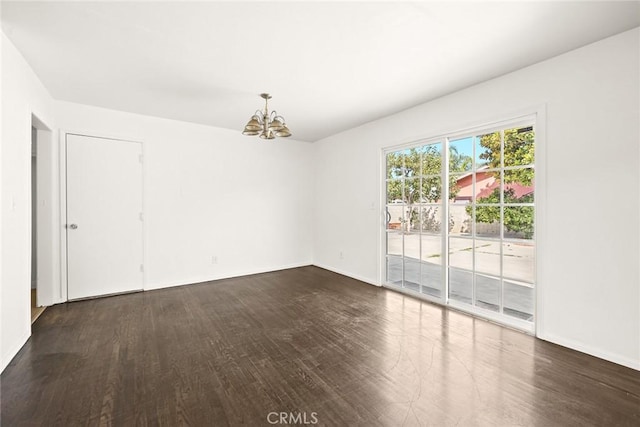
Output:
x=458 y=162
x=518 y=150
x=414 y=176
x=518 y=219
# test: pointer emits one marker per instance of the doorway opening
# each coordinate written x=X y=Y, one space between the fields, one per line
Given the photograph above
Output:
x=36 y=310
x=43 y=218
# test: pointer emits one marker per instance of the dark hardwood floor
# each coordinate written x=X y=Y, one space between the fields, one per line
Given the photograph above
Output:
x=306 y=341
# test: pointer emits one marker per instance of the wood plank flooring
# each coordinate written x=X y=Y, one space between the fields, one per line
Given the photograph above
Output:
x=303 y=341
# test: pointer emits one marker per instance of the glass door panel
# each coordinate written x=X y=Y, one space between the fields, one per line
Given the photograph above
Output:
x=414 y=217
x=487 y=294
x=394 y=258
x=432 y=265
x=518 y=300
x=412 y=264
x=460 y=285
x=395 y=208
x=491 y=223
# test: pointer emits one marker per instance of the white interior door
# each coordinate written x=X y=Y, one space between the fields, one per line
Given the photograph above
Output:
x=104 y=216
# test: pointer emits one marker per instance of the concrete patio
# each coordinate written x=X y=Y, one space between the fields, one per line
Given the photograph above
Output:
x=424 y=271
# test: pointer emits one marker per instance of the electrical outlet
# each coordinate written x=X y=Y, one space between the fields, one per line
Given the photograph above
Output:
x=214 y=259
x=341 y=255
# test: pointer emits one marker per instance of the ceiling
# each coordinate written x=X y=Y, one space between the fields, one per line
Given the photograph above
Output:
x=330 y=66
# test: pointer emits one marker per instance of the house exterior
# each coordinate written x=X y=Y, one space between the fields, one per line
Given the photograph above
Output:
x=486 y=183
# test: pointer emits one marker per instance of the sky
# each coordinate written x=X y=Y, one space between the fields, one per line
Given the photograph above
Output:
x=465 y=146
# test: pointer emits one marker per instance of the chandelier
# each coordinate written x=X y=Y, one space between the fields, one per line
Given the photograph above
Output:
x=267 y=125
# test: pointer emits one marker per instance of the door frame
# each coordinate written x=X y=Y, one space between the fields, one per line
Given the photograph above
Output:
x=47 y=265
x=63 y=203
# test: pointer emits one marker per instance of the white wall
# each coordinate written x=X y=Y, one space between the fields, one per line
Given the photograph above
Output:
x=22 y=94
x=212 y=192
x=589 y=284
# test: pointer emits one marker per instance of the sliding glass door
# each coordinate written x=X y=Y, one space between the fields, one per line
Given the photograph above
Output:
x=414 y=231
x=482 y=259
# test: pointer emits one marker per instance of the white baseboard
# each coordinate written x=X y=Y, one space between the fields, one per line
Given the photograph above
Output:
x=200 y=279
x=344 y=273
x=583 y=348
x=8 y=356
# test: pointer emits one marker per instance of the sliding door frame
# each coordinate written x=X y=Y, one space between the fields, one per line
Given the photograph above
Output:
x=533 y=116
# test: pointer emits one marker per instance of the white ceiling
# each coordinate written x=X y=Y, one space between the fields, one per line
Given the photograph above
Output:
x=330 y=66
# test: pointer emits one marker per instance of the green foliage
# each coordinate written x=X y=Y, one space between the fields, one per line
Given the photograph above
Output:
x=415 y=177
x=459 y=162
x=487 y=214
x=414 y=163
x=518 y=151
x=517 y=219
x=492 y=155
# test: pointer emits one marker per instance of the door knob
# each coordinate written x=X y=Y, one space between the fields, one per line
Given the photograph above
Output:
x=73 y=226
